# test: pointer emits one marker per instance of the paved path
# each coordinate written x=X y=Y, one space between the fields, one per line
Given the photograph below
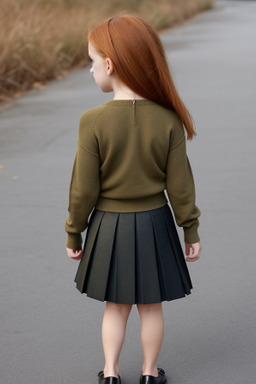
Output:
x=49 y=332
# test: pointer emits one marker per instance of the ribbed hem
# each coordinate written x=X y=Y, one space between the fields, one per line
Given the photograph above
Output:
x=191 y=235
x=134 y=205
x=74 y=240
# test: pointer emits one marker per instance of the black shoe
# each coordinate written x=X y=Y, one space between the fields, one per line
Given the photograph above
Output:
x=108 y=380
x=161 y=379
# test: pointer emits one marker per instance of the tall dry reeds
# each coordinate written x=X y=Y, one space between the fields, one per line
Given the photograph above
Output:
x=40 y=39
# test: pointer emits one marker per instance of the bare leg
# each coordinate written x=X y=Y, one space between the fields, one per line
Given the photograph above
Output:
x=113 y=334
x=152 y=332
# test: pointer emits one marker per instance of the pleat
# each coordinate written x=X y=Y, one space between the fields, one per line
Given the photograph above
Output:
x=147 y=281
x=121 y=284
x=169 y=274
x=101 y=260
x=91 y=237
x=178 y=253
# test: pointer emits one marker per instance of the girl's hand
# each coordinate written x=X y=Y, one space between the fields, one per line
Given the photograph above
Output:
x=75 y=254
x=193 y=251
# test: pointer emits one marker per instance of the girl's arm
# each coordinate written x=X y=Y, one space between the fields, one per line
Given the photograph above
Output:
x=83 y=194
x=181 y=192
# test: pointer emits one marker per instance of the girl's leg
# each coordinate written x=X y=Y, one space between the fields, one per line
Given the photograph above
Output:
x=152 y=332
x=113 y=334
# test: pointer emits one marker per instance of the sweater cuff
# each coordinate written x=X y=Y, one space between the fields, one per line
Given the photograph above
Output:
x=74 y=240
x=191 y=235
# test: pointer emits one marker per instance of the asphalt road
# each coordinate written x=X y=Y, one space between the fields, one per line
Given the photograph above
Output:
x=49 y=332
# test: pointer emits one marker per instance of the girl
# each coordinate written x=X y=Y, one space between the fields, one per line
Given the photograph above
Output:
x=130 y=150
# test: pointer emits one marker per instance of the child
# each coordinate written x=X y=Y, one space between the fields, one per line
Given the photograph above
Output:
x=129 y=151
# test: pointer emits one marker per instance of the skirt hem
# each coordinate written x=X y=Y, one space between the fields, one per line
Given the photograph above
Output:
x=136 y=303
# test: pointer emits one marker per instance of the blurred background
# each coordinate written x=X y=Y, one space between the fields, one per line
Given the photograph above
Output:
x=41 y=40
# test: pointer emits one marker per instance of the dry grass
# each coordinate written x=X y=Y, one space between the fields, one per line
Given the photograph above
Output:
x=41 y=39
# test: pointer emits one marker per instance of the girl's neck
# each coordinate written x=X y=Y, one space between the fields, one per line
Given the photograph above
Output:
x=127 y=96
x=122 y=92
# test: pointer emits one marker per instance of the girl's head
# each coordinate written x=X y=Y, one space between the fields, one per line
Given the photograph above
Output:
x=138 y=58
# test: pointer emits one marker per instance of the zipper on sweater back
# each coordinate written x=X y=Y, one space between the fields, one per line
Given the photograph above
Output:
x=134 y=111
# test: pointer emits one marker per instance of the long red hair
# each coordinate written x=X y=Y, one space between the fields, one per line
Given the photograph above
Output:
x=140 y=62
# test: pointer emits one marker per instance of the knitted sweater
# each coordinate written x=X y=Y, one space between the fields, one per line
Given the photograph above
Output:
x=129 y=152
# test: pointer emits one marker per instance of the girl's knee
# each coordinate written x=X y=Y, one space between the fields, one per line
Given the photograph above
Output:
x=123 y=309
x=146 y=308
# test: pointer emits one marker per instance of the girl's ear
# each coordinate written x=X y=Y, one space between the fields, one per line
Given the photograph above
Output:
x=110 y=66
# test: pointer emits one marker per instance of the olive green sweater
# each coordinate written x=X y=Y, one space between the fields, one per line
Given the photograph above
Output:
x=130 y=152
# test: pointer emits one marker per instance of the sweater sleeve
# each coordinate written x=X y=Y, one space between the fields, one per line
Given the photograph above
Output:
x=84 y=185
x=180 y=187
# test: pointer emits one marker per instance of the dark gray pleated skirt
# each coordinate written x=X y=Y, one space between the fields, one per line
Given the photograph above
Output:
x=133 y=258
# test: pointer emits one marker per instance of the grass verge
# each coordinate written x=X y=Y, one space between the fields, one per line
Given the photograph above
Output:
x=41 y=40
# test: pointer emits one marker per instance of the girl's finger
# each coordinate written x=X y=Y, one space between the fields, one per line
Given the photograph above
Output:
x=187 y=249
x=192 y=258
